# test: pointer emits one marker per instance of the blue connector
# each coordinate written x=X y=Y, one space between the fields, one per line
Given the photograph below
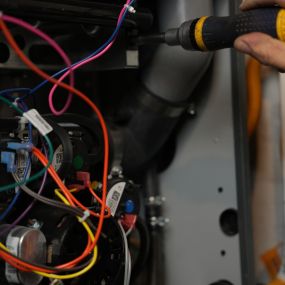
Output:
x=8 y=158
x=129 y=207
x=20 y=146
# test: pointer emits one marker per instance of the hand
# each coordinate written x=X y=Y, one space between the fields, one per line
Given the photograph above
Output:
x=264 y=48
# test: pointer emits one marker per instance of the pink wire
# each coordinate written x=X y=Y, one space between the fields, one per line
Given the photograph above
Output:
x=56 y=47
x=73 y=68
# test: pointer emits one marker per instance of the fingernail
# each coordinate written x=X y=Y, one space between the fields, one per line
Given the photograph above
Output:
x=242 y=46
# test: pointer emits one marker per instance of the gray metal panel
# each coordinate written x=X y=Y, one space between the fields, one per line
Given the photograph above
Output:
x=205 y=161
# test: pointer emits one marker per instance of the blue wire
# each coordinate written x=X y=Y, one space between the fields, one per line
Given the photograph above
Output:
x=30 y=91
x=112 y=37
x=7 y=92
x=10 y=207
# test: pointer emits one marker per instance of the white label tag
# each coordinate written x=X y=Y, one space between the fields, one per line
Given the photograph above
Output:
x=114 y=197
x=38 y=121
x=11 y=272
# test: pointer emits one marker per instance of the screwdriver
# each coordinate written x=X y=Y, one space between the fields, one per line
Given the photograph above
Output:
x=214 y=33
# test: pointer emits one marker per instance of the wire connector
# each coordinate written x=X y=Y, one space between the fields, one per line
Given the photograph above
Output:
x=20 y=146
x=130 y=8
x=85 y=217
x=8 y=158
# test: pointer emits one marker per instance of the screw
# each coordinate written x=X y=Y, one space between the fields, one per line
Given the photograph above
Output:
x=159 y=221
x=116 y=170
x=192 y=110
x=35 y=224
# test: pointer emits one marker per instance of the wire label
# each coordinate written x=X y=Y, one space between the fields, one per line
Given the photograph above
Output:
x=114 y=197
x=38 y=122
x=11 y=272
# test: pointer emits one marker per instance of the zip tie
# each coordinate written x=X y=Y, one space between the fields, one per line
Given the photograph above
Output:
x=15 y=103
x=85 y=216
x=130 y=8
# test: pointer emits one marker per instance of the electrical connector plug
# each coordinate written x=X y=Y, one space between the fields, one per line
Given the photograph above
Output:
x=8 y=158
x=82 y=177
x=20 y=146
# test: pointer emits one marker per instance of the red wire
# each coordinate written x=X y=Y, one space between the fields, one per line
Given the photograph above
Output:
x=78 y=93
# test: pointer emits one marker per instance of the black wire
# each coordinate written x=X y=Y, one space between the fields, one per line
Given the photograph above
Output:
x=52 y=203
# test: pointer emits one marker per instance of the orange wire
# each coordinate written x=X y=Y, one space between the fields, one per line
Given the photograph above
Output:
x=73 y=201
x=100 y=201
x=78 y=93
x=254 y=91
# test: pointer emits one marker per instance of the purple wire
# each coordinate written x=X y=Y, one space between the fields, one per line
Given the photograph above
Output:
x=24 y=214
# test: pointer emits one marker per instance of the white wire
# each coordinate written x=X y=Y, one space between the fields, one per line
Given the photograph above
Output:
x=127 y=274
x=128 y=232
x=129 y=268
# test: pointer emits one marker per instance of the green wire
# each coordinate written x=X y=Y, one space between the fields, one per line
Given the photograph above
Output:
x=41 y=172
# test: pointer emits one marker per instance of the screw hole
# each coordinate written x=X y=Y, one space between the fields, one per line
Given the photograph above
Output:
x=223 y=253
x=220 y=189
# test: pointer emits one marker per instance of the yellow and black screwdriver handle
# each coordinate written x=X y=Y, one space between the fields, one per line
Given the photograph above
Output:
x=213 y=33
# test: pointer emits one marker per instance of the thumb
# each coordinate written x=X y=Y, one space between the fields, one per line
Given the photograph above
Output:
x=264 y=48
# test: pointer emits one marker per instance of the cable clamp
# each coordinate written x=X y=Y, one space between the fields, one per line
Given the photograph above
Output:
x=130 y=8
x=85 y=216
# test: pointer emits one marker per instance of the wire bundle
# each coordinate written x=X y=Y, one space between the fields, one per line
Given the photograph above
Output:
x=69 y=202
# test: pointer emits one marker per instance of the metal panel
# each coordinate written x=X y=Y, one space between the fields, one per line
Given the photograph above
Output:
x=202 y=183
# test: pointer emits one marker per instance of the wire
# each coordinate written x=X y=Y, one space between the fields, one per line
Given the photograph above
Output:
x=14 y=90
x=50 y=202
x=69 y=264
x=119 y=25
x=100 y=201
x=144 y=248
x=71 y=199
x=254 y=90
x=28 y=209
x=87 y=268
x=33 y=67
x=10 y=207
x=127 y=259
x=55 y=276
x=28 y=164
x=41 y=172
x=56 y=47
x=87 y=60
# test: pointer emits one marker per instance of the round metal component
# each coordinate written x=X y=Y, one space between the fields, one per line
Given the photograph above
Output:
x=28 y=244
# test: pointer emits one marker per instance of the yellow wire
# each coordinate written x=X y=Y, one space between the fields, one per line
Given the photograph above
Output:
x=2 y=246
x=76 y=274
x=89 y=266
x=70 y=190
